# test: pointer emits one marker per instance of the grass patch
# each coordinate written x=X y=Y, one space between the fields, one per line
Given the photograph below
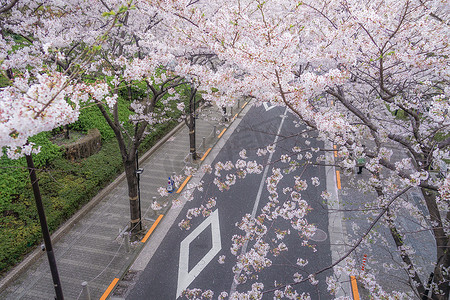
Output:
x=65 y=187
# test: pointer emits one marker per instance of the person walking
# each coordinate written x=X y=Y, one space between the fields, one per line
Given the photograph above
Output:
x=361 y=161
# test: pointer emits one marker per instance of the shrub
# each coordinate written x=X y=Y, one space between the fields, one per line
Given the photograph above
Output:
x=65 y=185
x=19 y=224
x=91 y=117
x=14 y=175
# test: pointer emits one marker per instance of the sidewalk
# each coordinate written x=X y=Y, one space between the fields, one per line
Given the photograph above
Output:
x=370 y=258
x=91 y=246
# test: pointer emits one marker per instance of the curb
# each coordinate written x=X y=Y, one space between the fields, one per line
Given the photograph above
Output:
x=60 y=232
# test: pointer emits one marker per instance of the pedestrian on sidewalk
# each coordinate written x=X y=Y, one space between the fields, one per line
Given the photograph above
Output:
x=361 y=161
x=360 y=164
x=170 y=185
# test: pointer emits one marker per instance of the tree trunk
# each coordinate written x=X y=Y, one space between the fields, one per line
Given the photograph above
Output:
x=66 y=132
x=442 y=246
x=130 y=172
x=398 y=239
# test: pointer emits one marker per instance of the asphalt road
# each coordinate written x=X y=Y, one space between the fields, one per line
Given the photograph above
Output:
x=189 y=258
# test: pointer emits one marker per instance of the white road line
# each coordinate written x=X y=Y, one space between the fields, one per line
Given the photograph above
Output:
x=268 y=106
x=164 y=226
x=185 y=277
x=261 y=186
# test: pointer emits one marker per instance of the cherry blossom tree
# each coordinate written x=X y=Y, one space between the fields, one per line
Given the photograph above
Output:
x=77 y=54
x=46 y=49
x=44 y=89
x=141 y=56
x=371 y=78
x=365 y=76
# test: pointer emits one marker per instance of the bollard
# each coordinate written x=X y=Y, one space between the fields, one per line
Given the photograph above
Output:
x=231 y=112
x=154 y=200
x=204 y=143
x=239 y=102
x=127 y=242
x=85 y=294
x=224 y=114
x=214 y=131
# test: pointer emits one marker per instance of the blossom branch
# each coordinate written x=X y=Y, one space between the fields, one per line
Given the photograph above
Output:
x=353 y=248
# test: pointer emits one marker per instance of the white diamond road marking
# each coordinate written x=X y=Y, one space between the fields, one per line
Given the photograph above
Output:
x=185 y=277
x=268 y=106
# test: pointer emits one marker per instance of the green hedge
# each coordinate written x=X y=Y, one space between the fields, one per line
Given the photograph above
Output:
x=19 y=225
x=91 y=117
x=65 y=187
x=13 y=175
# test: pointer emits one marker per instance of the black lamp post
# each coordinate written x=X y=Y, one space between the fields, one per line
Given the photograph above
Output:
x=44 y=228
x=192 y=122
x=138 y=175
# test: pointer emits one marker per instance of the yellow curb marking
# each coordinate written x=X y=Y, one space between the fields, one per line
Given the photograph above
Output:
x=150 y=231
x=206 y=154
x=244 y=104
x=354 y=288
x=338 y=180
x=109 y=289
x=223 y=131
x=184 y=183
x=335 y=152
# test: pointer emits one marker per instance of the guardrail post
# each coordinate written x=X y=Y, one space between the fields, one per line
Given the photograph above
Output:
x=224 y=114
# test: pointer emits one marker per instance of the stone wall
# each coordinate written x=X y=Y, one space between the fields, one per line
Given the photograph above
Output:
x=84 y=147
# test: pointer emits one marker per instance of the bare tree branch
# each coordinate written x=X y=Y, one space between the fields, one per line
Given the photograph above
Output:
x=7 y=7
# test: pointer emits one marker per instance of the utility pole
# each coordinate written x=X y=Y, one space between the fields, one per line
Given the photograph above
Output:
x=44 y=227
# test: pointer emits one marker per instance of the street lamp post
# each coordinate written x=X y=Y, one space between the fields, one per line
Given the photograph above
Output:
x=192 y=122
x=138 y=175
x=44 y=228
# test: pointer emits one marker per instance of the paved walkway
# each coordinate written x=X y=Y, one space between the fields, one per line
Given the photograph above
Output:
x=93 y=248
x=371 y=257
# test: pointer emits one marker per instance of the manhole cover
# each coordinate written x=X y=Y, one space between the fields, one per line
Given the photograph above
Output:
x=319 y=236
